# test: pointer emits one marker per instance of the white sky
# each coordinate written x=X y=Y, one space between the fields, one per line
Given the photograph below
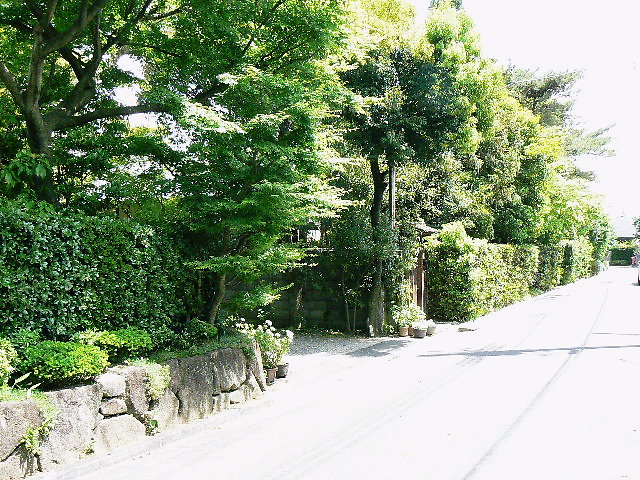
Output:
x=599 y=38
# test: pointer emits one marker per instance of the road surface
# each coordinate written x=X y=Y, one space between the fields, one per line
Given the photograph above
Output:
x=545 y=389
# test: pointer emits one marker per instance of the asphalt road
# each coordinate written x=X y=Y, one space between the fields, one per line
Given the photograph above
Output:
x=545 y=389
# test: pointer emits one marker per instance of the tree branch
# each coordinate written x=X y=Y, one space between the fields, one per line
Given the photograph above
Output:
x=12 y=85
x=85 y=17
x=122 y=111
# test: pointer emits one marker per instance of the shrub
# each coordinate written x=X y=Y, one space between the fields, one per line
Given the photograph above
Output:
x=576 y=263
x=621 y=255
x=119 y=344
x=550 y=266
x=405 y=315
x=23 y=338
x=7 y=358
x=64 y=273
x=469 y=278
x=62 y=363
x=195 y=332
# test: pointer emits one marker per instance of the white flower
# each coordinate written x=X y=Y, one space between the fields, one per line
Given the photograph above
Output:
x=268 y=322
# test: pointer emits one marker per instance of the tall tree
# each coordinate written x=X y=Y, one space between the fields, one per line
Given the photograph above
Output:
x=58 y=60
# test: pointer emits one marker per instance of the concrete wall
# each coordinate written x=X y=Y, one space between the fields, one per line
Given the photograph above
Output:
x=116 y=410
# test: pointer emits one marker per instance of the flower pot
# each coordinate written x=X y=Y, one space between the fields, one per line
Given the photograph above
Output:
x=410 y=331
x=419 y=332
x=282 y=370
x=271 y=375
x=431 y=329
x=403 y=331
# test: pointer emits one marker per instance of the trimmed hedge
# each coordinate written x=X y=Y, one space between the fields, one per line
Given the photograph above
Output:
x=621 y=256
x=469 y=278
x=63 y=363
x=64 y=274
x=577 y=260
x=550 y=267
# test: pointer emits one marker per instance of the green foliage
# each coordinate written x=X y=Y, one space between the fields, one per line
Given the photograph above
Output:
x=195 y=332
x=405 y=315
x=621 y=256
x=8 y=356
x=63 y=274
x=577 y=260
x=550 y=267
x=158 y=377
x=119 y=344
x=469 y=278
x=62 y=363
x=274 y=345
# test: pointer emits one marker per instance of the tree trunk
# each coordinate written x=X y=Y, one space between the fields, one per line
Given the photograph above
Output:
x=218 y=297
x=376 y=297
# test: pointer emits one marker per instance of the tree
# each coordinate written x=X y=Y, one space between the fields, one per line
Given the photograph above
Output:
x=416 y=100
x=59 y=61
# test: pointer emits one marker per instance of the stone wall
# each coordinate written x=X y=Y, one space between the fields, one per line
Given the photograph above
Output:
x=116 y=410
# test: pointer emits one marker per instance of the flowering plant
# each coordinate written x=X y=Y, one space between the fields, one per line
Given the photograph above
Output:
x=274 y=344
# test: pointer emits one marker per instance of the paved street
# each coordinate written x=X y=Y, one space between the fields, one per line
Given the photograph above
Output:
x=545 y=389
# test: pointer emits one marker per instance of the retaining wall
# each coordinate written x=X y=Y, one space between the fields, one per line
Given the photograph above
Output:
x=117 y=410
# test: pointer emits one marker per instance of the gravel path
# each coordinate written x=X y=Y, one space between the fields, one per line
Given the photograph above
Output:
x=310 y=344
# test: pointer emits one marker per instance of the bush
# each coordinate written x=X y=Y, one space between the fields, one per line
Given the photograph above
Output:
x=469 y=278
x=405 y=315
x=119 y=344
x=550 y=267
x=23 y=338
x=158 y=377
x=7 y=358
x=621 y=255
x=62 y=363
x=60 y=274
x=577 y=260
x=195 y=332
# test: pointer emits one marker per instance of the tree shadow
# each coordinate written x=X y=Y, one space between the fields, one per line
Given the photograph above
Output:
x=502 y=353
x=386 y=347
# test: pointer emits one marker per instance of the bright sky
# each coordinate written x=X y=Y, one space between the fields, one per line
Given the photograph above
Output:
x=599 y=38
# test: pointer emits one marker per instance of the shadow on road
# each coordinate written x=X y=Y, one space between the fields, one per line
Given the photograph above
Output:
x=379 y=349
x=501 y=353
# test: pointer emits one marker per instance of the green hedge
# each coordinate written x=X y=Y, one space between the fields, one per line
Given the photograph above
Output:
x=621 y=256
x=60 y=274
x=550 y=267
x=468 y=278
x=62 y=363
x=577 y=260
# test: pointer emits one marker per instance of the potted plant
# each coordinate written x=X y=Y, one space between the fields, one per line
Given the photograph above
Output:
x=404 y=316
x=265 y=337
x=420 y=329
x=431 y=327
x=284 y=346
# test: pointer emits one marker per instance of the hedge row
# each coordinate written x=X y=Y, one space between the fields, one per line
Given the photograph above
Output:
x=621 y=256
x=64 y=274
x=470 y=277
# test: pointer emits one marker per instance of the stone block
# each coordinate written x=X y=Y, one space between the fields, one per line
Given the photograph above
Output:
x=194 y=383
x=115 y=432
x=254 y=365
x=230 y=368
x=113 y=406
x=16 y=418
x=70 y=438
x=113 y=385
x=136 y=391
x=165 y=411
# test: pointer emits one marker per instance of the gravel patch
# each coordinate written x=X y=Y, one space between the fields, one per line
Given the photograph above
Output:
x=309 y=344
